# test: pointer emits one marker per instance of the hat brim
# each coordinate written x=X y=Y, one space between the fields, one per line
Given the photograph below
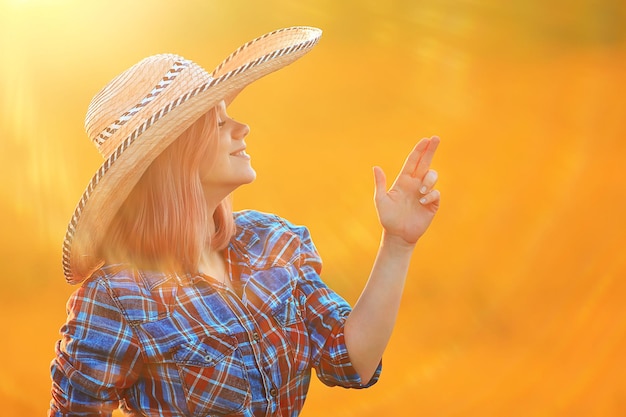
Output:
x=117 y=176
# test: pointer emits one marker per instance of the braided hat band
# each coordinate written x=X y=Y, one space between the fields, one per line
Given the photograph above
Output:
x=138 y=114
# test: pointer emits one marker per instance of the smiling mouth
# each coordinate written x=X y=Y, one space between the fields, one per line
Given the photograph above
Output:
x=241 y=154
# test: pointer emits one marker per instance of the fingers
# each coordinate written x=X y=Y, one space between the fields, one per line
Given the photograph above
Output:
x=414 y=157
x=380 y=183
x=429 y=181
x=432 y=197
x=429 y=196
x=426 y=157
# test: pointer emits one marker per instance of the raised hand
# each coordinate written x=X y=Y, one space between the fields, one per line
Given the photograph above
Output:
x=406 y=210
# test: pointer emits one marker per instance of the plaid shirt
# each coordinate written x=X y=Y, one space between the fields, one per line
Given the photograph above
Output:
x=160 y=344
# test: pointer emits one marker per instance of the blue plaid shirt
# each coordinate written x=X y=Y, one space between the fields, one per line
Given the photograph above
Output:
x=160 y=344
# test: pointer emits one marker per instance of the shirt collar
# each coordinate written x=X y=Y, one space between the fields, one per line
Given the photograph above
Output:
x=241 y=243
x=244 y=238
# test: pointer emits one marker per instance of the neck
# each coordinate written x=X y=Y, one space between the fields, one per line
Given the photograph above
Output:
x=212 y=205
x=213 y=198
x=214 y=195
x=213 y=264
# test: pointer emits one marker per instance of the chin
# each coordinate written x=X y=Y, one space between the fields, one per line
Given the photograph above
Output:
x=249 y=177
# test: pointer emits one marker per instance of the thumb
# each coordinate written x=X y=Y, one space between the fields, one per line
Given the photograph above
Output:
x=380 y=183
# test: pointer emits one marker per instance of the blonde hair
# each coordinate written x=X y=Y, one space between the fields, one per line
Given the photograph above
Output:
x=164 y=223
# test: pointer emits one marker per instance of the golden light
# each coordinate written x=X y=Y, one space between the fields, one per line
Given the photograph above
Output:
x=514 y=304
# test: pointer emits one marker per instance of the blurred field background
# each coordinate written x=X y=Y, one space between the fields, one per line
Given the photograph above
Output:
x=515 y=305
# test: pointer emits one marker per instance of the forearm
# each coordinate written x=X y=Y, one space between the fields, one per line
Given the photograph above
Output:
x=370 y=324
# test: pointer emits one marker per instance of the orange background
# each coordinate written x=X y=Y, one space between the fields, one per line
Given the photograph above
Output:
x=515 y=304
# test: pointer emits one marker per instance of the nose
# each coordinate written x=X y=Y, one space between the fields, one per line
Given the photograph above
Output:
x=240 y=130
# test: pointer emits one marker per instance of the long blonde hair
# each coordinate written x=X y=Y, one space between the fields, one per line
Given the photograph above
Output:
x=164 y=222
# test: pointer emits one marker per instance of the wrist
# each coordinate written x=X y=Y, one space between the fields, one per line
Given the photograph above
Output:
x=396 y=243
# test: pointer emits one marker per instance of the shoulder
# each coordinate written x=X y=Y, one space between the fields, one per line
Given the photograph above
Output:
x=116 y=277
x=98 y=296
x=267 y=223
x=136 y=293
x=270 y=238
x=254 y=218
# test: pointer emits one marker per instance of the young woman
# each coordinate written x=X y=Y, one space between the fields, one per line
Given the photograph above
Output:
x=189 y=309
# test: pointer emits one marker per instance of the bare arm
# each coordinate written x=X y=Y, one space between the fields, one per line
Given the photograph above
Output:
x=405 y=211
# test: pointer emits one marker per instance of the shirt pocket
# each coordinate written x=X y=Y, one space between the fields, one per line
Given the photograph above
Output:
x=213 y=375
x=286 y=311
x=210 y=369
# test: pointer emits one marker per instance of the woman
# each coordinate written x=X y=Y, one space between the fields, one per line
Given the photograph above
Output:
x=189 y=309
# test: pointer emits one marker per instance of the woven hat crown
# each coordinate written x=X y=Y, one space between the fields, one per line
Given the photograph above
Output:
x=135 y=95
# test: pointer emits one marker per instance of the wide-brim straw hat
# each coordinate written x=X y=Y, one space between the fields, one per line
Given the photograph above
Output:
x=143 y=110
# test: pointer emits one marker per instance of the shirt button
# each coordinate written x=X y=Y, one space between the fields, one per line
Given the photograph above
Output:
x=273 y=392
x=256 y=337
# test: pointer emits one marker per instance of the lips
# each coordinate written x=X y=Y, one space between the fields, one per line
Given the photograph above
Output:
x=241 y=153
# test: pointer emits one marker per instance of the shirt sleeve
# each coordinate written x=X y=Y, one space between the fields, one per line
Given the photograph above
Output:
x=97 y=357
x=325 y=315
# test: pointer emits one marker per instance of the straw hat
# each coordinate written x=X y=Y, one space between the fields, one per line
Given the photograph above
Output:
x=142 y=110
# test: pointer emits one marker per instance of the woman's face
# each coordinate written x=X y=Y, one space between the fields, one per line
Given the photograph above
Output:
x=231 y=167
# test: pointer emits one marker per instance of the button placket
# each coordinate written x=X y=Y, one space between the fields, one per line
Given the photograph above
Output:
x=254 y=337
